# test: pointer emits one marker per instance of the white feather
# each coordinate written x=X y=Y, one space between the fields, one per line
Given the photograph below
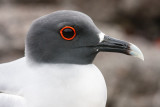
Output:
x=52 y=85
x=101 y=36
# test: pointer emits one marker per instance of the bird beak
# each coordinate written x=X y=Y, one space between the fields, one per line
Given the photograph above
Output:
x=108 y=44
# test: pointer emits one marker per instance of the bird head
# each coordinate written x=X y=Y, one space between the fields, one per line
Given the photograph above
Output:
x=71 y=37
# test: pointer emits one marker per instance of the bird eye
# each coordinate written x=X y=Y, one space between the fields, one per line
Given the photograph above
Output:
x=68 y=33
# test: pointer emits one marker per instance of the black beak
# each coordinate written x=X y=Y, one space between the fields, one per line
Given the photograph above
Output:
x=109 y=44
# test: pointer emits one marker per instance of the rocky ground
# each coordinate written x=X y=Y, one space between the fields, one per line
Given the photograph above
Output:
x=130 y=81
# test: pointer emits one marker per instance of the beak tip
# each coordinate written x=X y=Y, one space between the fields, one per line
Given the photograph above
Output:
x=136 y=52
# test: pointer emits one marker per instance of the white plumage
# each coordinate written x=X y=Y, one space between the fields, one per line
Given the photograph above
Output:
x=26 y=84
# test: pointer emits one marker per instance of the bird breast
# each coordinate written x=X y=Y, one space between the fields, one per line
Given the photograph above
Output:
x=59 y=84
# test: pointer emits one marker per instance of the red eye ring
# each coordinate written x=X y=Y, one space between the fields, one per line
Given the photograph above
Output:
x=68 y=27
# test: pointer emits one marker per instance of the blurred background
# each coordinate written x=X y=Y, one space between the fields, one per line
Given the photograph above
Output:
x=130 y=81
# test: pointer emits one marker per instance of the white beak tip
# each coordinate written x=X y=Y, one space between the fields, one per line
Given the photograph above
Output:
x=136 y=52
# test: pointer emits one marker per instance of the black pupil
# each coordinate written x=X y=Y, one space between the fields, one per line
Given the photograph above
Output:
x=68 y=33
